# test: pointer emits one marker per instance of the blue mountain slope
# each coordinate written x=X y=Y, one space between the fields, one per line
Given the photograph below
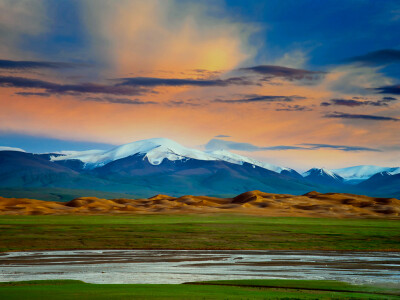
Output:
x=148 y=167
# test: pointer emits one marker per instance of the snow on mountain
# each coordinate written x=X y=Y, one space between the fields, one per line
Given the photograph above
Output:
x=156 y=150
x=239 y=159
x=322 y=172
x=5 y=148
x=359 y=173
x=84 y=152
x=67 y=154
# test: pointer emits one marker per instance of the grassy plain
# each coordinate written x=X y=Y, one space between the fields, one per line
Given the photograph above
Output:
x=245 y=289
x=21 y=233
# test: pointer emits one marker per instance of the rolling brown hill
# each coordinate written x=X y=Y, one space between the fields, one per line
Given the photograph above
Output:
x=313 y=204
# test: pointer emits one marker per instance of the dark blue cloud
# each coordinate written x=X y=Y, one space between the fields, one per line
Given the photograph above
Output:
x=222 y=136
x=380 y=57
x=154 y=81
x=389 y=99
x=28 y=94
x=354 y=103
x=262 y=98
x=294 y=108
x=174 y=103
x=217 y=144
x=119 y=100
x=347 y=102
x=271 y=71
x=26 y=64
x=339 y=147
x=341 y=115
x=56 y=88
x=390 y=89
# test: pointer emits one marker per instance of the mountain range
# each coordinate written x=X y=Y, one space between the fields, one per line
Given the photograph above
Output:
x=162 y=166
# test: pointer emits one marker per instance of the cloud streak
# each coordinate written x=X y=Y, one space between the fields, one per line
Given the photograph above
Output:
x=29 y=94
x=339 y=147
x=217 y=144
x=119 y=100
x=154 y=82
x=340 y=115
x=380 y=57
x=355 y=103
x=56 y=88
x=389 y=89
x=294 y=108
x=262 y=98
x=26 y=64
x=283 y=72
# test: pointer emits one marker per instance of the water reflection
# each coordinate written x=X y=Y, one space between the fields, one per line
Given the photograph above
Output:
x=177 y=266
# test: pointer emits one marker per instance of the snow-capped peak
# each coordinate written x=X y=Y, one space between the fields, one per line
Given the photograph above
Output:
x=156 y=150
x=363 y=172
x=321 y=172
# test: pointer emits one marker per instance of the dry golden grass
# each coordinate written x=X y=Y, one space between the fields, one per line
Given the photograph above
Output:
x=312 y=204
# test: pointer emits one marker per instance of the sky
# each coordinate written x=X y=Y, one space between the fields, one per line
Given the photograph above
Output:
x=295 y=83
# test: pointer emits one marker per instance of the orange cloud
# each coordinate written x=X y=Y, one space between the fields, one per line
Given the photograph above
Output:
x=148 y=36
x=153 y=38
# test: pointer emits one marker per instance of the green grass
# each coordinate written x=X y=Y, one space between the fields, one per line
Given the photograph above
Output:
x=196 y=232
x=321 y=285
x=243 y=289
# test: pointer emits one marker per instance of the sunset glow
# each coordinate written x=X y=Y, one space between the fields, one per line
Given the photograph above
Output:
x=256 y=72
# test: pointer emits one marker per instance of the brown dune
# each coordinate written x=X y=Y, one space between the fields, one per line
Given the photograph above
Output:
x=312 y=204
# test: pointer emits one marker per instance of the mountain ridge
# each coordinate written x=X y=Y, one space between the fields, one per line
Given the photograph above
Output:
x=156 y=150
x=323 y=176
x=164 y=166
